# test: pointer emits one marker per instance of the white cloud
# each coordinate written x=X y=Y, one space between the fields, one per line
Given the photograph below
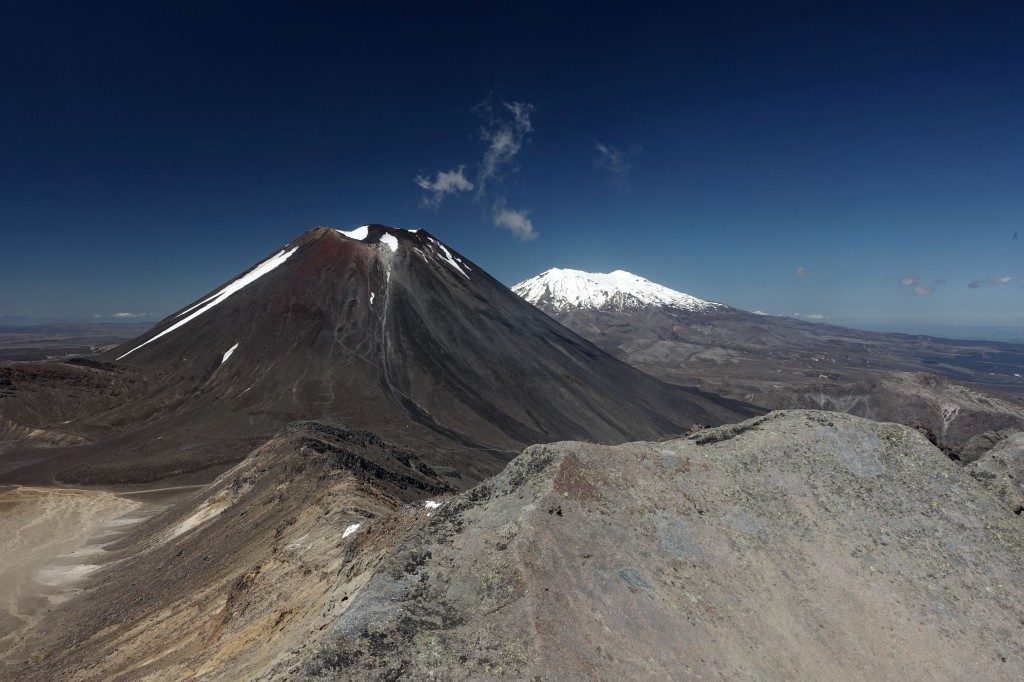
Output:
x=989 y=281
x=443 y=184
x=504 y=131
x=130 y=315
x=517 y=222
x=760 y=312
x=918 y=289
x=802 y=272
x=810 y=316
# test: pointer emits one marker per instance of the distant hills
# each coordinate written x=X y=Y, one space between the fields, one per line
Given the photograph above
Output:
x=956 y=388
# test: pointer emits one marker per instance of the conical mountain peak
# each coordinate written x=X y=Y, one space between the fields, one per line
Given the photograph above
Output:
x=384 y=328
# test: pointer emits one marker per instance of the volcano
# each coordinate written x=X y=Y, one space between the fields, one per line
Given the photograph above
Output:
x=384 y=329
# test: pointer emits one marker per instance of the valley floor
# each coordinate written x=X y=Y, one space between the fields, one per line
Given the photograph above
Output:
x=52 y=539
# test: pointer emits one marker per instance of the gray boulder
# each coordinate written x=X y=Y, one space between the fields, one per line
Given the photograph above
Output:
x=978 y=445
x=1001 y=471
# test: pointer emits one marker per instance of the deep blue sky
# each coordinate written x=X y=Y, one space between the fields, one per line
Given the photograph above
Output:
x=149 y=151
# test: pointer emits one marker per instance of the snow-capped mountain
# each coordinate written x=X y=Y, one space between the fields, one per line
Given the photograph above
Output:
x=560 y=289
x=778 y=362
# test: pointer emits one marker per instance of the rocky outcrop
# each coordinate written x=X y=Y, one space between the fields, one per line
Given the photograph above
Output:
x=1001 y=471
x=977 y=446
x=800 y=545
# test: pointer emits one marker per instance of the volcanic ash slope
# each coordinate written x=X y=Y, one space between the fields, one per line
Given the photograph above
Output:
x=802 y=544
x=247 y=569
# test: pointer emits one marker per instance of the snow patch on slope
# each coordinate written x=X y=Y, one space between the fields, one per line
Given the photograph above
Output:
x=565 y=289
x=234 y=287
x=228 y=353
x=391 y=241
x=447 y=257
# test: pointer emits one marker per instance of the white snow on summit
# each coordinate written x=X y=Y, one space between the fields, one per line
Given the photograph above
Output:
x=563 y=289
x=359 y=233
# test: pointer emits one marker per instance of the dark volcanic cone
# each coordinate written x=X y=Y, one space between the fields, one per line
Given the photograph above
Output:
x=389 y=330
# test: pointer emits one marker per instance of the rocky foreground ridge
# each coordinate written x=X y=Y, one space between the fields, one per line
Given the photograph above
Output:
x=801 y=544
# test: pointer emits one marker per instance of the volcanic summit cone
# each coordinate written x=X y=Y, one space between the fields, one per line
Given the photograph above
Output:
x=388 y=330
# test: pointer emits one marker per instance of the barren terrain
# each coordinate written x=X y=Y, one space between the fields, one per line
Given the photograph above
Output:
x=48 y=341
x=51 y=540
x=800 y=545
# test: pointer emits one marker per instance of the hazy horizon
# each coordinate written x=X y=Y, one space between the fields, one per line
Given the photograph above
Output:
x=967 y=331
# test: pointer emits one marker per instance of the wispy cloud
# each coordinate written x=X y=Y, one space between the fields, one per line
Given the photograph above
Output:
x=517 y=222
x=505 y=130
x=989 y=282
x=615 y=162
x=802 y=272
x=810 y=316
x=918 y=289
x=443 y=184
x=123 y=315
